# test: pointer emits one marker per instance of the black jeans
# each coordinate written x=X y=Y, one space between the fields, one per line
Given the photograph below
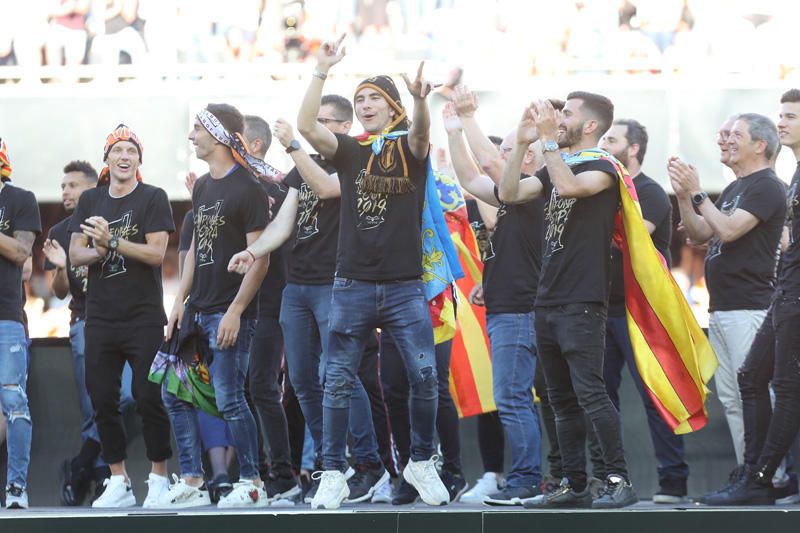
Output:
x=571 y=340
x=492 y=442
x=266 y=355
x=396 y=390
x=107 y=350
x=774 y=357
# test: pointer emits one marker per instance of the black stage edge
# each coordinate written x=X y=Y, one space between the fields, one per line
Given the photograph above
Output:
x=643 y=517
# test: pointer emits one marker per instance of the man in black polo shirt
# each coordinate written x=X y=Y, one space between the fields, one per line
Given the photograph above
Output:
x=572 y=298
x=627 y=141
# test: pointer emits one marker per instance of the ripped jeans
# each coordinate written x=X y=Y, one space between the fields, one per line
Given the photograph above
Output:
x=357 y=308
x=14 y=400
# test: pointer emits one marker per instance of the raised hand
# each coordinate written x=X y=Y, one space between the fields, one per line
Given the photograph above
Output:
x=452 y=124
x=96 y=228
x=683 y=177
x=546 y=119
x=189 y=181
x=241 y=262
x=282 y=131
x=420 y=88
x=466 y=101
x=526 y=129
x=330 y=53
x=55 y=253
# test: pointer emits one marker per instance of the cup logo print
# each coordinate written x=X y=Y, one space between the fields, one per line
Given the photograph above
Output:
x=370 y=206
x=207 y=222
x=122 y=228
x=556 y=215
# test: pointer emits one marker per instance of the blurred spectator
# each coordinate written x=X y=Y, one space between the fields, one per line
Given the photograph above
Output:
x=29 y=29
x=119 y=34
x=66 y=35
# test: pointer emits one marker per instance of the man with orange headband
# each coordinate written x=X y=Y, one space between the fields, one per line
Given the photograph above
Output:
x=379 y=264
x=19 y=225
x=120 y=231
x=230 y=212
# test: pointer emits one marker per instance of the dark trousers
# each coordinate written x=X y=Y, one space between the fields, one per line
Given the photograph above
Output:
x=492 y=442
x=107 y=350
x=396 y=390
x=571 y=340
x=774 y=357
x=266 y=355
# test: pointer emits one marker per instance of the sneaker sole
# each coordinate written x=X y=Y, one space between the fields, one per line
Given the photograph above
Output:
x=502 y=503
x=460 y=493
x=382 y=481
x=669 y=499
x=199 y=502
x=128 y=503
x=334 y=504
x=426 y=497
x=291 y=493
x=615 y=505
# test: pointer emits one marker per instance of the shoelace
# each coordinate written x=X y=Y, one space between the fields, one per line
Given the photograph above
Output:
x=429 y=471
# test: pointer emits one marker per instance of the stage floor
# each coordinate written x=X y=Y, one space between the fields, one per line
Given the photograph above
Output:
x=419 y=518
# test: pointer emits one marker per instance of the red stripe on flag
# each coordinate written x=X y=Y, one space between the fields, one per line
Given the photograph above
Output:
x=463 y=378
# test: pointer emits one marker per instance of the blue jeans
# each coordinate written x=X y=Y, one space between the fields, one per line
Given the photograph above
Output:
x=228 y=372
x=77 y=339
x=668 y=446
x=14 y=400
x=357 y=308
x=513 y=342
x=305 y=313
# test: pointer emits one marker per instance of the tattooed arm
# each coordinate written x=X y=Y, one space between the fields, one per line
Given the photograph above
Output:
x=17 y=248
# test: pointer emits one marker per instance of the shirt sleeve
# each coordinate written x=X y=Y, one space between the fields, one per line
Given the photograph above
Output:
x=27 y=217
x=255 y=212
x=293 y=179
x=346 y=153
x=159 y=214
x=81 y=212
x=187 y=231
x=763 y=199
x=654 y=202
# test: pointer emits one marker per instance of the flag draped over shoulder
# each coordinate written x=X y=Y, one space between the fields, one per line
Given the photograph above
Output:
x=673 y=355
x=470 y=360
x=440 y=266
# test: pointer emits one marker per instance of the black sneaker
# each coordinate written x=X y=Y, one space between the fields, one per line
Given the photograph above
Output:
x=562 y=498
x=550 y=484
x=218 y=487
x=454 y=482
x=671 y=491
x=619 y=493
x=75 y=483
x=365 y=481
x=734 y=477
x=312 y=489
x=748 y=490
x=100 y=474
x=405 y=494
x=282 y=487
x=512 y=495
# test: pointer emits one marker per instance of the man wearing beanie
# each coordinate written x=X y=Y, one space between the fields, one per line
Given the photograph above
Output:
x=379 y=264
x=120 y=231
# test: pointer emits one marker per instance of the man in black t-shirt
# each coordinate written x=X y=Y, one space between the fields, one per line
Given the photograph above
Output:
x=79 y=471
x=572 y=298
x=230 y=211
x=120 y=230
x=309 y=221
x=742 y=230
x=773 y=360
x=19 y=225
x=627 y=141
x=379 y=264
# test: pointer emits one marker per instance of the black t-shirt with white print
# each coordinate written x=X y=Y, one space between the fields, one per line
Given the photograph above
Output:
x=271 y=291
x=576 y=258
x=656 y=208
x=75 y=275
x=514 y=258
x=312 y=246
x=741 y=274
x=789 y=277
x=225 y=211
x=379 y=233
x=120 y=291
x=482 y=234
x=187 y=230
x=18 y=212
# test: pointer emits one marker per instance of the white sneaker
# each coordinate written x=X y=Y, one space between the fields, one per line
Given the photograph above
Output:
x=332 y=491
x=486 y=485
x=181 y=495
x=117 y=493
x=16 y=497
x=157 y=487
x=383 y=494
x=245 y=493
x=422 y=476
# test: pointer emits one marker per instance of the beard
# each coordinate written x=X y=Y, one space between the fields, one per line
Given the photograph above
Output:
x=622 y=157
x=571 y=137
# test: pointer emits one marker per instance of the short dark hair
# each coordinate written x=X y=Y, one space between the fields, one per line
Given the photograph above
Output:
x=557 y=104
x=497 y=141
x=343 y=107
x=636 y=134
x=84 y=167
x=258 y=129
x=229 y=117
x=791 y=96
x=599 y=106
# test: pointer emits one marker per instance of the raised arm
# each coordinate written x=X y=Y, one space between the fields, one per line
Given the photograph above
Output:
x=468 y=174
x=17 y=248
x=151 y=252
x=323 y=184
x=419 y=136
x=512 y=189
x=684 y=178
x=320 y=137
x=489 y=159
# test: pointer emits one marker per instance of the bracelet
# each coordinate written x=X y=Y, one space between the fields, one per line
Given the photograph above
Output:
x=251 y=253
x=320 y=75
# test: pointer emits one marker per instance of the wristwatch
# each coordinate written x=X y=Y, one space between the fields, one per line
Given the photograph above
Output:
x=699 y=198
x=294 y=145
x=113 y=243
x=550 y=146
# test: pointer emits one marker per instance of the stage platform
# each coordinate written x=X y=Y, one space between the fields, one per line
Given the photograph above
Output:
x=418 y=518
